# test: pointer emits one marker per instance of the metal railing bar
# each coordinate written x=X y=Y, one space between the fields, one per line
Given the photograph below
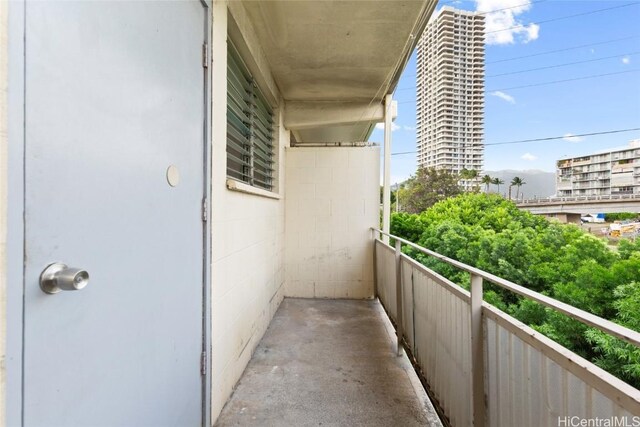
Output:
x=604 y=325
x=462 y=293
x=399 y=297
x=607 y=384
x=375 y=265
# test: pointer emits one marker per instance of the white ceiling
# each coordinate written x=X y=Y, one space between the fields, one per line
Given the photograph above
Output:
x=337 y=51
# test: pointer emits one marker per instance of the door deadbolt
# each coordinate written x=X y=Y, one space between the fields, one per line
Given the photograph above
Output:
x=59 y=277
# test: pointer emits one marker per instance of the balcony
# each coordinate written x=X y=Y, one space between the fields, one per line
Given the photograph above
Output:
x=331 y=362
x=322 y=362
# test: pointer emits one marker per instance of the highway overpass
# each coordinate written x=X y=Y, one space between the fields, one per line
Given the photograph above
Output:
x=582 y=205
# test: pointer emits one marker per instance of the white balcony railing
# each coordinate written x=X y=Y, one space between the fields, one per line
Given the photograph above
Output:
x=482 y=366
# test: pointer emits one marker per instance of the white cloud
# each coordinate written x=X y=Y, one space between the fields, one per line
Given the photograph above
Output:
x=502 y=26
x=532 y=32
x=394 y=127
x=569 y=137
x=528 y=156
x=626 y=60
x=409 y=128
x=510 y=99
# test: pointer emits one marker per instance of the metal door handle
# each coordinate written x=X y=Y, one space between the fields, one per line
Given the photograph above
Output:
x=59 y=277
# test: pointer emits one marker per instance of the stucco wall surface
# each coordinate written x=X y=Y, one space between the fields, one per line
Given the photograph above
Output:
x=332 y=202
x=247 y=230
x=3 y=198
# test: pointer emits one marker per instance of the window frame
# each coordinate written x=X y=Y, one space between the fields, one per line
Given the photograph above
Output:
x=251 y=144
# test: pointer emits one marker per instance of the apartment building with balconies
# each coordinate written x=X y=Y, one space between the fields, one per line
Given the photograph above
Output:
x=613 y=171
x=450 y=91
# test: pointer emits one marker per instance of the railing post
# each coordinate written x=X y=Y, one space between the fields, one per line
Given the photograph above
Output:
x=477 y=352
x=374 y=235
x=399 y=316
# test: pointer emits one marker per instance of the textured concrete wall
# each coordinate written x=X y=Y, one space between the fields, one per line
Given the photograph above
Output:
x=3 y=198
x=332 y=201
x=247 y=271
x=565 y=218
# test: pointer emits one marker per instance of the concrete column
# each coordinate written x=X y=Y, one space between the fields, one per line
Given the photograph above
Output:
x=386 y=189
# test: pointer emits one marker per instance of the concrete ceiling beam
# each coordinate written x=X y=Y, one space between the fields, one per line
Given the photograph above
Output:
x=313 y=114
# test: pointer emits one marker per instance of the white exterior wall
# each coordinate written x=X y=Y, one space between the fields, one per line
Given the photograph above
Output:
x=247 y=242
x=611 y=172
x=332 y=202
x=3 y=197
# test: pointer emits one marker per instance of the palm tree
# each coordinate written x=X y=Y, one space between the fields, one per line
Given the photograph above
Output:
x=472 y=174
x=498 y=182
x=468 y=175
x=487 y=181
x=518 y=182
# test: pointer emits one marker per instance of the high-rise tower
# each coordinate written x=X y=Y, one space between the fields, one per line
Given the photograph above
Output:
x=450 y=92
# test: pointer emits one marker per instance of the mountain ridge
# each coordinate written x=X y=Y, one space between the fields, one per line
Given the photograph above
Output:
x=538 y=183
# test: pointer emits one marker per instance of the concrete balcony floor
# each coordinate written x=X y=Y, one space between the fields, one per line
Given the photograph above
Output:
x=329 y=363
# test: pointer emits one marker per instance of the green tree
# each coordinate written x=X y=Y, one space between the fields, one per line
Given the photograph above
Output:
x=498 y=182
x=487 y=180
x=620 y=216
x=427 y=187
x=614 y=355
x=558 y=260
x=517 y=182
x=468 y=174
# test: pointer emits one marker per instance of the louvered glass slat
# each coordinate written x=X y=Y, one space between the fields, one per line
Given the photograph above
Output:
x=263 y=105
x=266 y=132
x=243 y=162
x=250 y=146
x=263 y=174
x=235 y=64
x=237 y=134
x=239 y=94
x=238 y=79
x=260 y=162
x=237 y=175
x=238 y=148
x=238 y=168
x=265 y=142
x=235 y=121
x=262 y=184
x=238 y=104
x=266 y=158
x=266 y=147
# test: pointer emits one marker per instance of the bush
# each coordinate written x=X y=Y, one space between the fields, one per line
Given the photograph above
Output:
x=559 y=260
x=622 y=216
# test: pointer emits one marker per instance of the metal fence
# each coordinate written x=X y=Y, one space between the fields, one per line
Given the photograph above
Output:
x=484 y=367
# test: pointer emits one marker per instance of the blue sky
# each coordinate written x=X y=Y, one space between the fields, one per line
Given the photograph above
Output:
x=575 y=107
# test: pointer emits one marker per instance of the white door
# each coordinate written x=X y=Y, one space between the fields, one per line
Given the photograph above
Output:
x=115 y=114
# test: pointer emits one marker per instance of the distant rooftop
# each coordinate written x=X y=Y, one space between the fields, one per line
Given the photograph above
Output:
x=635 y=143
x=453 y=10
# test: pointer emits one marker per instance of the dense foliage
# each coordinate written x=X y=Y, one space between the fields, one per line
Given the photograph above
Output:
x=428 y=187
x=621 y=216
x=559 y=260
